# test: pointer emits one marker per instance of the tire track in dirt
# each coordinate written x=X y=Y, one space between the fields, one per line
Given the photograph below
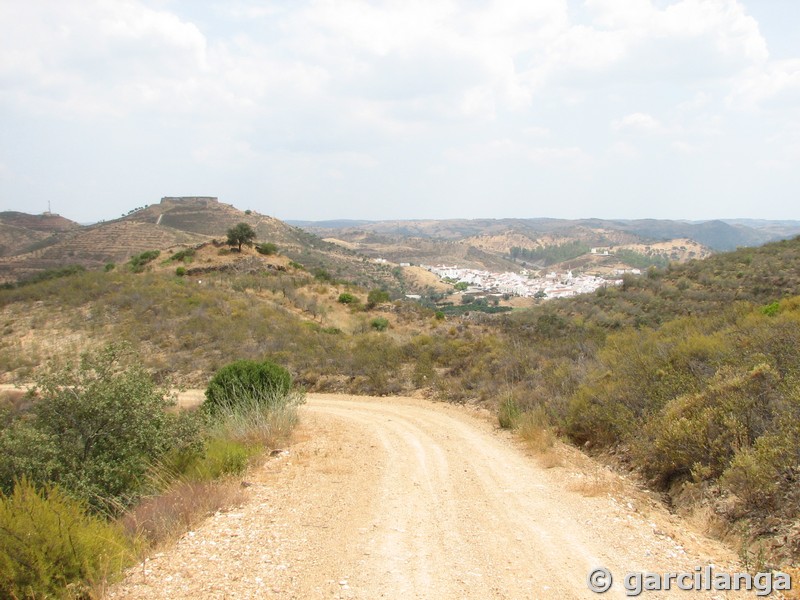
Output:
x=404 y=498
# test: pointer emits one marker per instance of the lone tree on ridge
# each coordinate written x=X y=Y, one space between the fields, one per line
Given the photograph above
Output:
x=241 y=234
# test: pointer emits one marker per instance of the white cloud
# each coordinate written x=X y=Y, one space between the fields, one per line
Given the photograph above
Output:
x=699 y=101
x=483 y=152
x=638 y=122
x=96 y=57
x=559 y=156
x=366 y=89
x=773 y=83
x=508 y=151
x=684 y=147
x=624 y=149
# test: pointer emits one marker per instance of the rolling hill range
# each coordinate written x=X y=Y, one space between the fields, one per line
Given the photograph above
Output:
x=718 y=235
x=342 y=249
x=559 y=244
x=35 y=243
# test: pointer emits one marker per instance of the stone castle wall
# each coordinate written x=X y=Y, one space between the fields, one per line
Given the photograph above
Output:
x=198 y=199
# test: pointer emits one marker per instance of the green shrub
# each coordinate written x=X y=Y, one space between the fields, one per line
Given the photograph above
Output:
x=50 y=274
x=347 y=298
x=698 y=435
x=50 y=547
x=376 y=297
x=26 y=451
x=98 y=426
x=379 y=323
x=321 y=274
x=267 y=248
x=185 y=255
x=180 y=271
x=219 y=456
x=508 y=413
x=109 y=267
x=138 y=262
x=246 y=381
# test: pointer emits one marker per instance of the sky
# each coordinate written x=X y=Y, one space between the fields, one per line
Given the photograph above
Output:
x=408 y=109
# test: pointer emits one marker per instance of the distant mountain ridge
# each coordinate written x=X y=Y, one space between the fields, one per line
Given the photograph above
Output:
x=32 y=243
x=719 y=235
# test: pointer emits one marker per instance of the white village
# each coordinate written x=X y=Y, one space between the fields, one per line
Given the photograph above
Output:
x=526 y=284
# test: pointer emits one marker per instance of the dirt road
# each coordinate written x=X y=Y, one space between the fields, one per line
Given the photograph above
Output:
x=401 y=498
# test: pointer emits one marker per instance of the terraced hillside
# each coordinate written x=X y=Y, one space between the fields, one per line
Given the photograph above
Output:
x=94 y=246
x=47 y=222
x=173 y=222
x=209 y=217
x=21 y=233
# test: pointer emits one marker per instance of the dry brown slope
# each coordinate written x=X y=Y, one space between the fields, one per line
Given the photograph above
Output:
x=402 y=498
x=20 y=232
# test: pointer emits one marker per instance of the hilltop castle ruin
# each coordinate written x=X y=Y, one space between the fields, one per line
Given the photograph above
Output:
x=205 y=200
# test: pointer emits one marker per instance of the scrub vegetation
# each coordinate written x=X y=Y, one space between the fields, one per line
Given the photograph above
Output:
x=687 y=375
x=97 y=468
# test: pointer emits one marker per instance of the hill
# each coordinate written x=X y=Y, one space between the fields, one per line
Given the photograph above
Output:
x=513 y=244
x=718 y=235
x=369 y=252
x=173 y=222
x=21 y=233
x=47 y=222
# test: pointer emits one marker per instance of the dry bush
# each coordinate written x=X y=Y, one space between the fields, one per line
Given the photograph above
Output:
x=160 y=519
x=257 y=424
x=15 y=400
x=549 y=459
x=534 y=428
x=591 y=485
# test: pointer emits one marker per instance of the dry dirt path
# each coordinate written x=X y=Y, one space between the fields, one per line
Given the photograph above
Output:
x=402 y=498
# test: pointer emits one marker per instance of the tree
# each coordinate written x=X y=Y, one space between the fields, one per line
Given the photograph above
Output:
x=240 y=235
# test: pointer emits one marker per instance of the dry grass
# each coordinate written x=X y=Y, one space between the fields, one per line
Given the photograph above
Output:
x=161 y=519
x=599 y=483
x=255 y=423
x=533 y=428
x=14 y=398
x=550 y=459
x=539 y=438
x=706 y=520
